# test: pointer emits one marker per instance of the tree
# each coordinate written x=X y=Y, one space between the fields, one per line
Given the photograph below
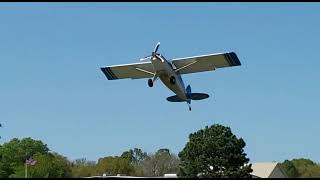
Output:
x=83 y=168
x=289 y=169
x=114 y=165
x=303 y=165
x=15 y=152
x=51 y=165
x=312 y=172
x=160 y=163
x=301 y=168
x=214 y=152
x=135 y=156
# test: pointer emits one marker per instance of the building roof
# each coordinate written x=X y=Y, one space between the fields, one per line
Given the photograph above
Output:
x=266 y=169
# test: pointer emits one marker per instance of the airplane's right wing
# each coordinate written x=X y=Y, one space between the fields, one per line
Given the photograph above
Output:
x=207 y=62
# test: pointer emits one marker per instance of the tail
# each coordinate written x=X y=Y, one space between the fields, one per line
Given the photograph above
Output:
x=190 y=96
x=188 y=89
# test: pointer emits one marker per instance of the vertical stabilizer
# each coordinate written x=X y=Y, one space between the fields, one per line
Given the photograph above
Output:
x=188 y=89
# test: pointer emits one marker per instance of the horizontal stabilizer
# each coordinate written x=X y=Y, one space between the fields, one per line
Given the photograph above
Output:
x=175 y=99
x=192 y=96
x=198 y=96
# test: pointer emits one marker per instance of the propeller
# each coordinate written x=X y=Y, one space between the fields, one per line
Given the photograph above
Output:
x=154 y=53
x=145 y=58
x=156 y=48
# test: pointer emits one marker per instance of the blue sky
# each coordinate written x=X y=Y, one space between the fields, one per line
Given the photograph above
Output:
x=52 y=88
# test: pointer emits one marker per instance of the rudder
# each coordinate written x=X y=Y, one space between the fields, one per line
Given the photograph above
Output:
x=188 y=89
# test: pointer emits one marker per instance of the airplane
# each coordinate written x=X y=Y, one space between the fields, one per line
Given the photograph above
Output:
x=169 y=72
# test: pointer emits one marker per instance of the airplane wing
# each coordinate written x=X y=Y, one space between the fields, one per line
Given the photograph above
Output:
x=133 y=71
x=207 y=62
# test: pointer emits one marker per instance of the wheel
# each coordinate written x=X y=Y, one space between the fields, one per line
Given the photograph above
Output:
x=189 y=108
x=150 y=83
x=172 y=80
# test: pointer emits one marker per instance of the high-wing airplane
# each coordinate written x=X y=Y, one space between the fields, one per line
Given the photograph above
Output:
x=170 y=72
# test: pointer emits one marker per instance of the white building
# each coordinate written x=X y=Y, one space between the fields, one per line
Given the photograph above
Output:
x=267 y=170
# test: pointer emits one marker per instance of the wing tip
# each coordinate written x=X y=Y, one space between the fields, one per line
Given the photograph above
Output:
x=235 y=59
x=232 y=59
x=108 y=73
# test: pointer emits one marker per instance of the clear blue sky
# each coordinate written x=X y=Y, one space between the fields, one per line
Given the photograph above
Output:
x=52 y=88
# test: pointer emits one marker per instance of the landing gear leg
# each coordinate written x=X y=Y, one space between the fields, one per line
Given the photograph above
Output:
x=151 y=81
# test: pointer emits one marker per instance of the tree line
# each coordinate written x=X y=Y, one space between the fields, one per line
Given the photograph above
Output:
x=210 y=152
x=135 y=162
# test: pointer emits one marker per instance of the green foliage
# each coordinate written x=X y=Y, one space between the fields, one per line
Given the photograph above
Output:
x=289 y=169
x=214 y=152
x=15 y=152
x=160 y=163
x=312 y=172
x=304 y=168
x=83 y=168
x=210 y=152
x=3 y=173
x=49 y=165
x=114 y=165
x=135 y=156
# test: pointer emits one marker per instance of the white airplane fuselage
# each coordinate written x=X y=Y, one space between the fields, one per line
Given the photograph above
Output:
x=165 y=71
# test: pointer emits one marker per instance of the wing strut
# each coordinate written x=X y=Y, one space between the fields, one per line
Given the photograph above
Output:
x=185 y=66
x=145 y=71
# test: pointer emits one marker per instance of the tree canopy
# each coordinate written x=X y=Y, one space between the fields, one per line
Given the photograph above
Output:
x=14 y=153
x=160 y=163
x=301 y=168
x=114 y=165
x=214 y=152
x=83 y=168
x=135 y=156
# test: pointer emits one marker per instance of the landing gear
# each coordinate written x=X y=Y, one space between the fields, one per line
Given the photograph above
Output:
x=150 y=82
x=189 y=108
x=172 y=80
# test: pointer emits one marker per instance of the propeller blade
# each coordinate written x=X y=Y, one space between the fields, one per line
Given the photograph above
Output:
x=145 y=58
x=157 y=47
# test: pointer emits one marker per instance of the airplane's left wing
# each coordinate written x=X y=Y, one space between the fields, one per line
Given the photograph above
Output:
x=207 y=62
x=133 y=71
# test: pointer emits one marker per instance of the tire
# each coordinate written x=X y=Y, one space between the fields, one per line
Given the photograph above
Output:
x=150 y=83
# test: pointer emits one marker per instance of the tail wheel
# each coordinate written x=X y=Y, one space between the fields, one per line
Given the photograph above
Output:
x=172 y=80
x=150 y=83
